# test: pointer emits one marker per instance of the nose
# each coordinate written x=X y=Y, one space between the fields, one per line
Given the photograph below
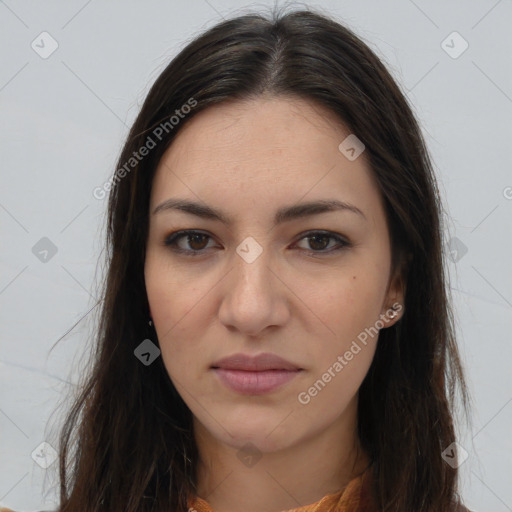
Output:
x=254 y=296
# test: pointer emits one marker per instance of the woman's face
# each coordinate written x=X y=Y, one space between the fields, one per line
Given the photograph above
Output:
x=262 y=279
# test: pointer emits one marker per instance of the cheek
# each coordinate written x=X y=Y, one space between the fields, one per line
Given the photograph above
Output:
x=171 y=295
x=342 y=357
x=350 y=304
x=350 y=309
x=180 y=312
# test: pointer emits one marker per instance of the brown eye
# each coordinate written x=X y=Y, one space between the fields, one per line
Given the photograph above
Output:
x=194 y=243
x=318 y=242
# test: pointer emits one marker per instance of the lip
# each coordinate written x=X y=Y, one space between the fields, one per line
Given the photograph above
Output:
x=259 y=363
x=255 y=375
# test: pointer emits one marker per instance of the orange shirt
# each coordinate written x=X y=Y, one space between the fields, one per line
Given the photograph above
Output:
x=355 y=497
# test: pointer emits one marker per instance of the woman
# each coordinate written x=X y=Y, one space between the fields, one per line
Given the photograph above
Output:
x=275 y=332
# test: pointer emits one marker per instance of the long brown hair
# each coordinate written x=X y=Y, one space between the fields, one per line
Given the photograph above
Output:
x=127 y=442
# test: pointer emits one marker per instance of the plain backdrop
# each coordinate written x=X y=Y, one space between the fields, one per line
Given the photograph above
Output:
x=64 y=117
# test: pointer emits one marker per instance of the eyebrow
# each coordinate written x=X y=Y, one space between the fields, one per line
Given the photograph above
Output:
x=282 y=215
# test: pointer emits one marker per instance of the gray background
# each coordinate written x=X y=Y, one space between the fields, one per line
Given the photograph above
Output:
x=64 y=119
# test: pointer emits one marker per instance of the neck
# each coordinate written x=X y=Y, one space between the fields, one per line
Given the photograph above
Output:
x=295 y=475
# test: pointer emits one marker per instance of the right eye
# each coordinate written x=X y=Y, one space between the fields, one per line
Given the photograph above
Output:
x=194 y=239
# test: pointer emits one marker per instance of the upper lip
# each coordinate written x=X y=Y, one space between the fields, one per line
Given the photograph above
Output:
x=259 y=363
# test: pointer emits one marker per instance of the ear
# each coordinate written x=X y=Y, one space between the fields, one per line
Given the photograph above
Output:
x=394 y=302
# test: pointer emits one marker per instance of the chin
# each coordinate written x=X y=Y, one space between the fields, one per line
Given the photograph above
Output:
x=257 y=441
x=268 y=433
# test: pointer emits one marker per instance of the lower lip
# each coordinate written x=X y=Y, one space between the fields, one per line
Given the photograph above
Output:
x=255 y=383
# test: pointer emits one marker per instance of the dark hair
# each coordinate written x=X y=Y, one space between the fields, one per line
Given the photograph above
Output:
x=127 y=443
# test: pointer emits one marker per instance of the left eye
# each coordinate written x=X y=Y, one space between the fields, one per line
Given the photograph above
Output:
x=317 y=240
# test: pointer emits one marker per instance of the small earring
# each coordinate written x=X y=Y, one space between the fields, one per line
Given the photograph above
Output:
x=150 y=322
x=393 y=313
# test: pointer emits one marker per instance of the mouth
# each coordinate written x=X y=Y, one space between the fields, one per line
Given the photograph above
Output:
x=255 y=375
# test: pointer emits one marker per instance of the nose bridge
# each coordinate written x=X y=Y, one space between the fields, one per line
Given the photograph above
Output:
x=251 y=265
x=250 y=301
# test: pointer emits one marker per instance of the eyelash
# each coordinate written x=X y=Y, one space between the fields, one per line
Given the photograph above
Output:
x=171 y=242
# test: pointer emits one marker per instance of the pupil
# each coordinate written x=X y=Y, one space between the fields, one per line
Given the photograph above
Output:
x=315 y=240
x=193 y=239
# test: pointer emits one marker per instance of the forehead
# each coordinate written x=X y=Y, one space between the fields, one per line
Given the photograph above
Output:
x=261 y=151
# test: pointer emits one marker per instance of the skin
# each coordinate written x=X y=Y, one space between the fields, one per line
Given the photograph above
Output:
x=248 y=159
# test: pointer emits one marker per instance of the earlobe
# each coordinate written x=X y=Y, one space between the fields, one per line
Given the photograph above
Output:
x=395 y=312
x=392 y=314
x=395 y=300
